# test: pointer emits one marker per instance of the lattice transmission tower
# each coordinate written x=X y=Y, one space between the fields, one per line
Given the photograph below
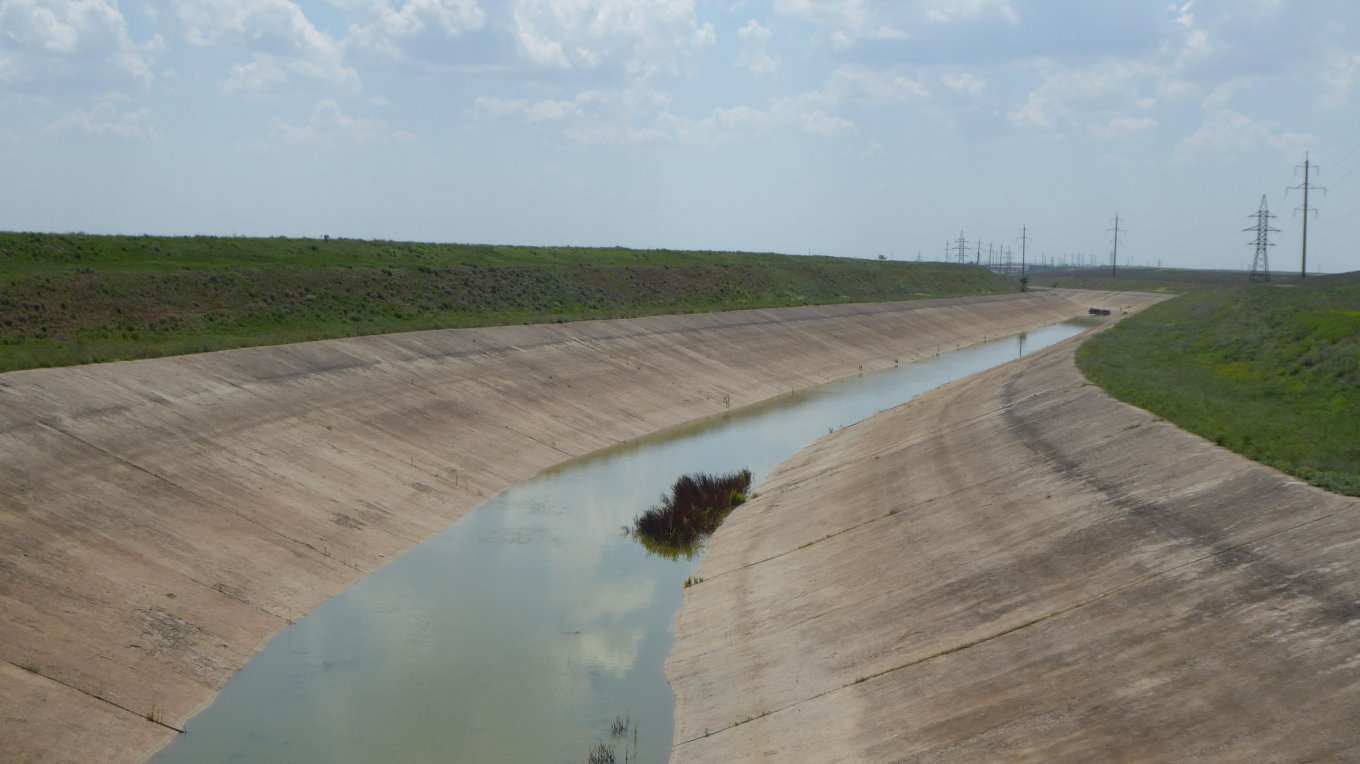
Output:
x=1260 y=265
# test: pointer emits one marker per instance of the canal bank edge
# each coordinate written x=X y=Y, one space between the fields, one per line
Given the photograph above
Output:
x=1016 y=567
x=163 y=518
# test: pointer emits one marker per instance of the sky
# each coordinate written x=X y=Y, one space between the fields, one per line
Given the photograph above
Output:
x=838 y=127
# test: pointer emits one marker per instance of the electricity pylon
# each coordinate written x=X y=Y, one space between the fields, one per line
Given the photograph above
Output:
x=1308 y=167
x=1114 y=254
x=961 y=251
x=1260 y=265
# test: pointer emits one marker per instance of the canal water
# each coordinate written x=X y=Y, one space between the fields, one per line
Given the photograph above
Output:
x=526 y=629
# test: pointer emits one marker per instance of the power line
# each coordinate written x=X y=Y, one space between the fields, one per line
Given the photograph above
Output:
x=1341 y=163
x=1308 y=167
x=1024 y=241
x=1347 y=175
x=1333 y=220
x=1260 y=265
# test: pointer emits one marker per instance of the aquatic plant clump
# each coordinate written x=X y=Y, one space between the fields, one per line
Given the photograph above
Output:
x=693 y=510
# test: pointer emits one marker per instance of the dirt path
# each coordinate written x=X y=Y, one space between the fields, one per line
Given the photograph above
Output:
x=161 y=519
x=1016 y=567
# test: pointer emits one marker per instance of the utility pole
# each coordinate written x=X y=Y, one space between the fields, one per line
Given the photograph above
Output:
x=961 y=251
x=1114 y=254
x=1260 y=265
x=979 y=253
x=1308 y=167
x=1024 y=240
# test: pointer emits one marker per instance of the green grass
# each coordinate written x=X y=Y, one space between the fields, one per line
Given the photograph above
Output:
x=1140 y=279
x=1271 y=371
x=68 y=299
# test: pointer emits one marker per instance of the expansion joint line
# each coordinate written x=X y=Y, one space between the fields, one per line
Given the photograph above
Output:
x=243 y=601
x=832 y=470
x=148 y=717
x=1020 y=627
x=196 y=495
x=550 y=446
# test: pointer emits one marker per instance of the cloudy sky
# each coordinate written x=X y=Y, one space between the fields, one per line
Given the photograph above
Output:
x=848 y=127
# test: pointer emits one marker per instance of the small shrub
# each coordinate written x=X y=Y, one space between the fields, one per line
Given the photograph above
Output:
x=602 y=753
x=695 y=507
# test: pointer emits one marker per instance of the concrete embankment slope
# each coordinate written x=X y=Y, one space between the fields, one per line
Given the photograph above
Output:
x=1016 y=567
x=160 y=519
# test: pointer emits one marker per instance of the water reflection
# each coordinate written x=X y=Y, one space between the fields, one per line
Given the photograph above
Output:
x=524 y=630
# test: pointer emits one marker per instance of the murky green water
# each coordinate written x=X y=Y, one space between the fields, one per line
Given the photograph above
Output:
x=520 y=633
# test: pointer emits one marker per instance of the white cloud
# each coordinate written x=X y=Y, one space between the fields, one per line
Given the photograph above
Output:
x=1221 y=96
x=10 y=68
x=1121 y=127
x=599 y=116
x=532 y=112
x=1342 y=76
x=260 y=75
x=490 y=107
x=638 y=114
x=1225 y=131
x=964 y=83
x=838 y=14
x=847 y=21
x=755 y=56
x=865 y=85
x=873 y=150
x=644 y=37
x=388 y=27
x=805 y=113
x=105 y=120
x=283 y=43
x=80 y=45
x=329 y=126
x=1066 y=96
x=954 y=10
x=1183 y=15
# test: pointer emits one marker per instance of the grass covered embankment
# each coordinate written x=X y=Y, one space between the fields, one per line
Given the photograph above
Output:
x=1271 y=372
x=68 y=299
x=1139 y=279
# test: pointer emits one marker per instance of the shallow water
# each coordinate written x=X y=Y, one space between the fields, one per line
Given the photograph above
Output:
x=521 y=632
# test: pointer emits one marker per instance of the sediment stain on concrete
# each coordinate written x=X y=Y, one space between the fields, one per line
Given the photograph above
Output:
x=161 y=519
